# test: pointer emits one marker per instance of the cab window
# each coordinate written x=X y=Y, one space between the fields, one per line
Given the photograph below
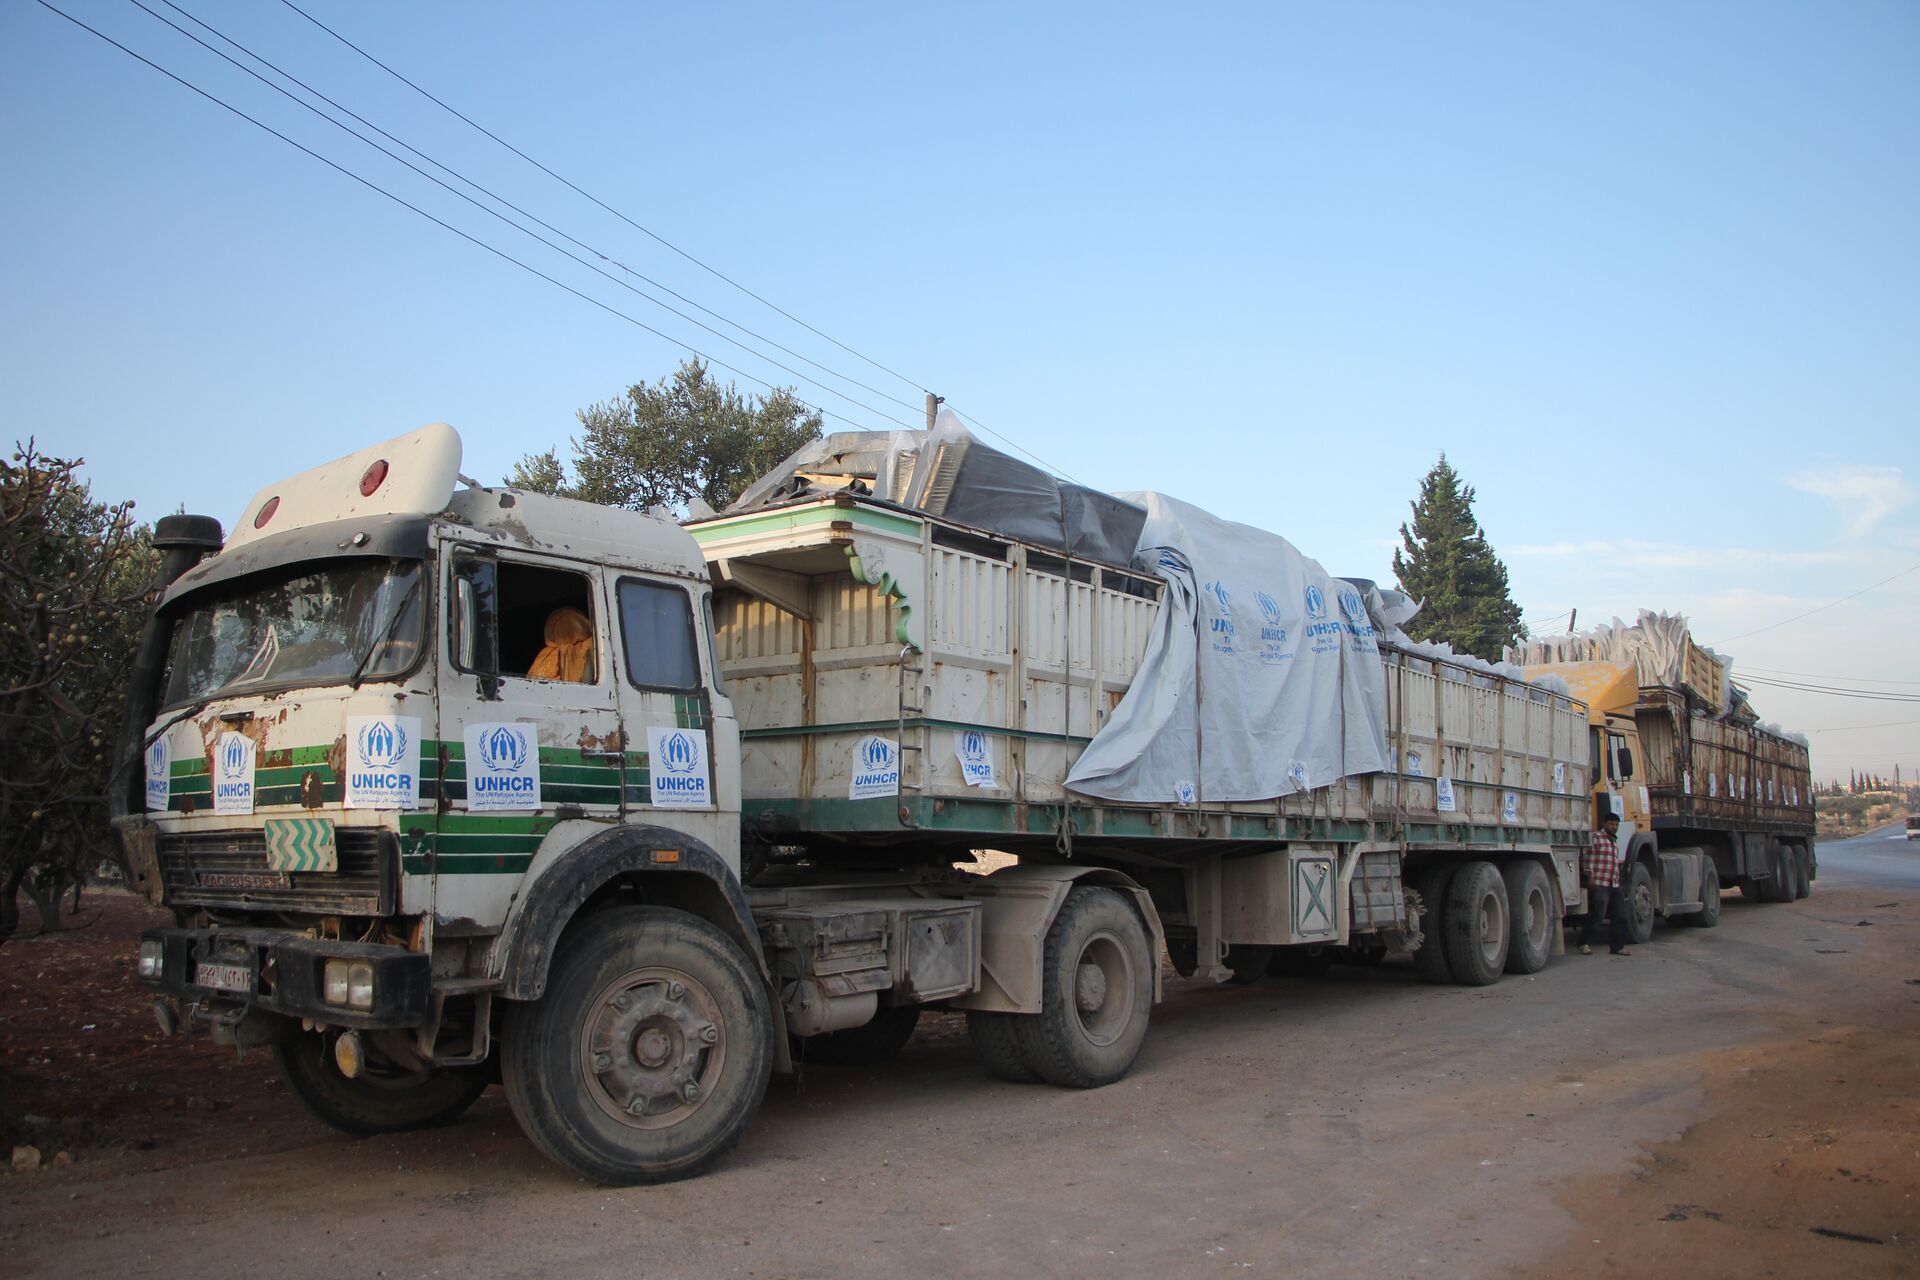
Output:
x=523 y=620
x=656 y=631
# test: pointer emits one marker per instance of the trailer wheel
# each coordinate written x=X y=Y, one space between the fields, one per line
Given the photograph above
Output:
x=862 y=1046
x=1802 y=874
x=649 y=1052
x=1249 y=961
x=1779 y=887
x=1096 y=993
x=999 y=1048
x=1640 y=907
x=1530 y=902
x=1474 y=928
x=1709 y=913
x=382 y=1099
x=1430 y=960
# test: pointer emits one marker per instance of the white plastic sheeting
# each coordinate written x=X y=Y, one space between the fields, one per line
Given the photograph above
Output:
x=1262 y=677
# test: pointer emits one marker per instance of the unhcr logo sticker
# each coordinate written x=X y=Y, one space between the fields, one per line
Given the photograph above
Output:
x=383 y=762
x=503 y=768
x=876 y=769
x=974 y=750
x=677 y=764
x=158 y=790
x=233 y=758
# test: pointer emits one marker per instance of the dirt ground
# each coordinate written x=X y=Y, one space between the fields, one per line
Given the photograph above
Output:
x=1741 y=1101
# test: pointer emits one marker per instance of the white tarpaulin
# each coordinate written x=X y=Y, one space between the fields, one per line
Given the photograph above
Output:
x=1262 y=676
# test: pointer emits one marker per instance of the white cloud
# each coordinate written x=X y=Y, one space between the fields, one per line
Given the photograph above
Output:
x=1864 y=495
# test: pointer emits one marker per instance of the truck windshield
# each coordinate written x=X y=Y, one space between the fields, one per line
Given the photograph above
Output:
x=308 y=626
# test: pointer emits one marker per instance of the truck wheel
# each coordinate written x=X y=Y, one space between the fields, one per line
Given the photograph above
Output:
x=1802 y=876
x=1249 y=961
x=1780 y=881
x=864 y=1045
x=1430 y=961
x=649 y=1052
x=382 y=1099
x=1475 y=925
x=1530 y=902
x=1640 y=908
x=1709 y=913
x=1096 y=993
x=999 y=1048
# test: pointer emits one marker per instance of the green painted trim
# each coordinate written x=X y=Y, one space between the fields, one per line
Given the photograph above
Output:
x=869 y=726
x=792 y=519
x=889 y=589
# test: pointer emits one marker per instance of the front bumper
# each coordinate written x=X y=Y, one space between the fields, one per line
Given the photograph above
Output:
x=284 y=974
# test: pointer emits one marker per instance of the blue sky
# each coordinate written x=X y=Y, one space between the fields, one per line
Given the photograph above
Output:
x=1648 y=273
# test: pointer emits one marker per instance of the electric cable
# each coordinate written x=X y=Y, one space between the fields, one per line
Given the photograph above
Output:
x=497 y=197
x=717 y=274
x=1809 y=613
x=493 y=212
x=713 y=271
x=445 y=226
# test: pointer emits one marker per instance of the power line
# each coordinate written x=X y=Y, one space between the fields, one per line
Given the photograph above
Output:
x=497 y=197
x=1812 y=676
x=1850 y=728
x=716 y=273
x=1830 y=691
x=595 y=199
x=1809 y=613
x=493 y=213
x=446 y=226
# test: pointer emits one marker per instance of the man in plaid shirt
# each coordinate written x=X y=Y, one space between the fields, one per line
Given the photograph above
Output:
x=1600 y=873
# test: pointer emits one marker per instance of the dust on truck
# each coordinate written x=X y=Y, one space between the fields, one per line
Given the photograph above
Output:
x=1708 y=797
x=448 y=785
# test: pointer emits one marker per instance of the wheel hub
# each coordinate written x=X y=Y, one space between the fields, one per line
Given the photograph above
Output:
x=1090 y=990
x=651 y=1045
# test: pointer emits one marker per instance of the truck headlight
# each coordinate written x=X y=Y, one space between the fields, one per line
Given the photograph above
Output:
x=349 y=983
x=153 y=959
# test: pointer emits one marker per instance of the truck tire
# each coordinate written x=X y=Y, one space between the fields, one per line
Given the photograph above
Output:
x=1249 y=961
x=1430 y=960
x=1530 y=904
x=648 y=1054
x=381 y=1099
x=1475 y=925
x=1096 y=993
x=1802 y=874
x=998 y=1047
x=1779 y=887
x=1709 y=913
x=1640 y=905
x=862 y=1046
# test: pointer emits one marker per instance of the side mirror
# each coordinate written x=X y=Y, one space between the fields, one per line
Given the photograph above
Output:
x=1626 y=762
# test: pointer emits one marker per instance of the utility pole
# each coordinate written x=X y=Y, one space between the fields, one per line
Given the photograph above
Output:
x=933 y=406
x=1573 y=618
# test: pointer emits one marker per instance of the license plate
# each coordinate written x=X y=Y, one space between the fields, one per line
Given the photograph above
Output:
x=224 y=977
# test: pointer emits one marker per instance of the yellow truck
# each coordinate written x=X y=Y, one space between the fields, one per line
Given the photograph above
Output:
x=1707 y=797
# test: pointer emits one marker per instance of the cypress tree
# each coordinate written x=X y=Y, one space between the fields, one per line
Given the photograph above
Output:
x=1448 y=565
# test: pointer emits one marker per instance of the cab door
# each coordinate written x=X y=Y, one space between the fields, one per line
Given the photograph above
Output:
x=674 y=711
x=529 y=723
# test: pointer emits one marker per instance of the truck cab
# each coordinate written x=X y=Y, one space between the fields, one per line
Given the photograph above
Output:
x=405 y=730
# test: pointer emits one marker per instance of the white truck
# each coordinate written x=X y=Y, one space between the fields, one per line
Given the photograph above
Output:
x=448 y=785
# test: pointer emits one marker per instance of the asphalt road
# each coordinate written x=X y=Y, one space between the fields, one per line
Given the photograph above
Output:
x=1884 y=858
x=1362 y=1124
